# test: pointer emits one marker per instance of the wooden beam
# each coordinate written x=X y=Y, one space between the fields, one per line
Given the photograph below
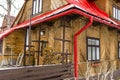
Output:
x=24 y=58
x=62 y=40
x=39 y=46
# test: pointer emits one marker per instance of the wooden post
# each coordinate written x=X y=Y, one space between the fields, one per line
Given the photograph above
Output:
x=24 y=59
x=63 y=44
x=39 y=46
x=29 y=40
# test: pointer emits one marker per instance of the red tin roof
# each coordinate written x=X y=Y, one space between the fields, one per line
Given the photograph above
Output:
x=82 y=7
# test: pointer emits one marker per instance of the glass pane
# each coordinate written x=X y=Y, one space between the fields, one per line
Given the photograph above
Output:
x=93 y=42
x=89 y=42
x=119 y=14
x=89 y=53
x=93 y=53
x=40 y=5
x=37 y=6
x=98 y=53
x=97 y=42
x=34 y=7
x=114 y=12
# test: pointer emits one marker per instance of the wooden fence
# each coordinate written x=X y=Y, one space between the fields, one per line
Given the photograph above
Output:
x=54 y=72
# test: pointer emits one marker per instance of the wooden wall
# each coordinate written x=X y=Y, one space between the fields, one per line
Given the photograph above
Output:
x=26 y=10
x=57 y=3
x=14 y=44
x=108 y=43
x=108 y=46
x=52 y=32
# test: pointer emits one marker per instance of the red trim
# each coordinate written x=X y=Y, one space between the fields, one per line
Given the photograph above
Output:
x=75 y=46
x=82 y=8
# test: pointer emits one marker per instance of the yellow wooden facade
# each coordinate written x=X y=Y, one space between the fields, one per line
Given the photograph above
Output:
x=109 y=38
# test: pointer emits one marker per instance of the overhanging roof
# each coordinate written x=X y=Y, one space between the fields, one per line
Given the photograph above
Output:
x=82 y=7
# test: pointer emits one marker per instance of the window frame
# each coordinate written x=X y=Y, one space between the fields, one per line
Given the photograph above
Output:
x=115 y=14
x=43 y=45
x=96 y=46
x=37 y=6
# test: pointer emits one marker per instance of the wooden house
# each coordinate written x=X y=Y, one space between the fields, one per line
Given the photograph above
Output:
x=4 y=27
x=83 y=32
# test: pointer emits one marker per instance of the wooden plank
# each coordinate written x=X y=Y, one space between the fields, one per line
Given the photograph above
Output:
x=32 y=68
x=32 y=73
x=10 y=55
x=35 y=72
x=62 y=53
x=62 y=40
x=62 y=77
x=39 y=41
x=35 y=51
x=45 y=77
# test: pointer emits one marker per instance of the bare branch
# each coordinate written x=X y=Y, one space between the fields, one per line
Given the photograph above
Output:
x=14 y=6
x=13 y=1
x=3 y=7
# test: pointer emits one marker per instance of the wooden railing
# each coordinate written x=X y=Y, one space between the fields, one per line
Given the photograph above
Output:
x=54 y=72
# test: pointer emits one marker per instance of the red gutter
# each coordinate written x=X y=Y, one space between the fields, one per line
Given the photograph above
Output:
x=45 y=17
x=97 y=19
x=75 y=46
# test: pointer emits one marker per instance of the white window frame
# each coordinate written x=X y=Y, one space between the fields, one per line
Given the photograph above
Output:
x=37 y=6
x=116 y=12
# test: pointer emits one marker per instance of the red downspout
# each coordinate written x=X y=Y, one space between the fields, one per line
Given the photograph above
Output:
x=75 y=46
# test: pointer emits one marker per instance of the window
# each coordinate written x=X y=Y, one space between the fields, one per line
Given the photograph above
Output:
x=116 y=12
x=119 y=50
x=43 y=44
x=93 y=49
x=37 y=6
